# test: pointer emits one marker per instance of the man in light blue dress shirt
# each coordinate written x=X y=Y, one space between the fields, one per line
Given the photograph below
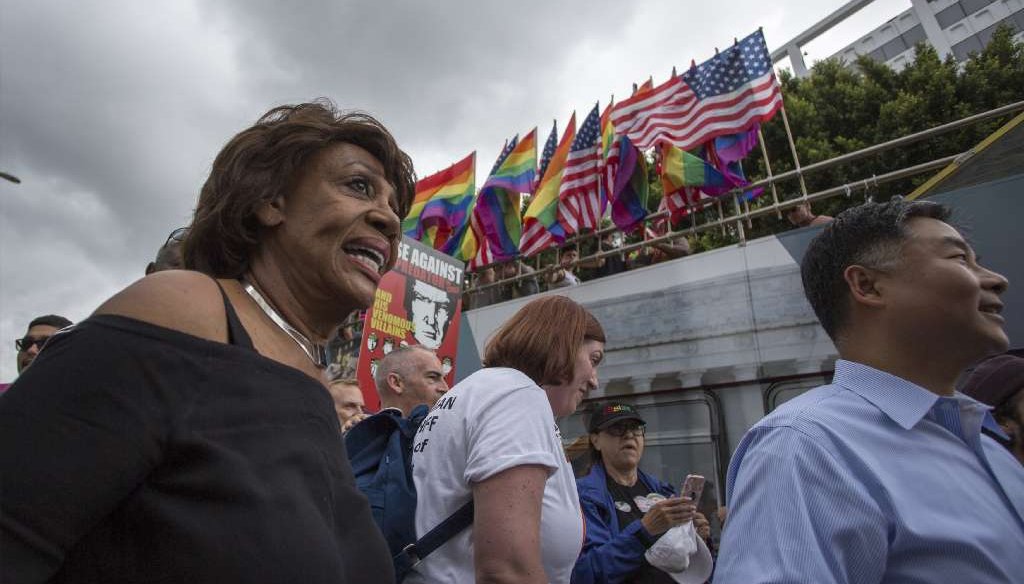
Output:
x=884 y=475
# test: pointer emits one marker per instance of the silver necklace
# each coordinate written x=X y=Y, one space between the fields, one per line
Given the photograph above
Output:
x=316 y=352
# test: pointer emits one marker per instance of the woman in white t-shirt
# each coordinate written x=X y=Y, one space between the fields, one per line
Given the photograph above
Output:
x=493 y=439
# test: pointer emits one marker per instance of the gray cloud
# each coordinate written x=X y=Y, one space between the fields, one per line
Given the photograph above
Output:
x=111 y=113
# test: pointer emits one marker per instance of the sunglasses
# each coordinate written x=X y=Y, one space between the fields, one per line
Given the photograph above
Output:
x=178 y=235
x=27 y=342
x=619 y=430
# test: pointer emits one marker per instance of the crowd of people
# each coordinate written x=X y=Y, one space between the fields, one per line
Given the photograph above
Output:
x=188 y=431
x=517 y=279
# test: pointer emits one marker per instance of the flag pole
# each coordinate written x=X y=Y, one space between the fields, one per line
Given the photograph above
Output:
x=768 y=168
x=792 y=145
x=746 y=202
x=721 y=216
x=792 y=148
x=739 y=222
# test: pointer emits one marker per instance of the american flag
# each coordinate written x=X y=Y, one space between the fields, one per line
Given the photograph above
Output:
x=684 y=201
x=724 y=95
x=547 y=153
x=535 y=239
x=483 y=255
x=509 y=147
x=580 y=203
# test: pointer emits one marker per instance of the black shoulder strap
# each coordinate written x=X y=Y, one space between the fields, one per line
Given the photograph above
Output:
x=236 y=332
x=414 y=553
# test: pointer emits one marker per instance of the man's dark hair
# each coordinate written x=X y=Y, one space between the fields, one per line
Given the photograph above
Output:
x=261 y=162
x=869 y=235
x=54 y=320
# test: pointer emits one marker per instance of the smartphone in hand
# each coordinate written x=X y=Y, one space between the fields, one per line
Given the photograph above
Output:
x=693 y=488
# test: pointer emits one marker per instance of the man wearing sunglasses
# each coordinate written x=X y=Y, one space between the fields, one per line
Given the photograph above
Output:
x=39 y=331
x=169 y=255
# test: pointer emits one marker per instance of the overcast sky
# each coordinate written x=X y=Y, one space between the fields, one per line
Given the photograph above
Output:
x=111 y=112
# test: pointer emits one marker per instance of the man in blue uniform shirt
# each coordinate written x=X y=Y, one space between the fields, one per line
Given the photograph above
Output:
x=884 y=475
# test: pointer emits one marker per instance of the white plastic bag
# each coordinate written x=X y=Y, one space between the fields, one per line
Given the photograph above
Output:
x=682 y=554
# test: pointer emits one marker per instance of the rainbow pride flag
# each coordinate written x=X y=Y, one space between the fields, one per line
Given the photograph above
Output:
x=439 y=215
x=681 y=169
x=630 y=189
x=497 y=221
x=607 y=130
x=469 y=248
x=645 y=87
x=609 y=161
x=735 y=147
x=725 y=153
x=517 y=171
x=497 y=226
x=540 y=224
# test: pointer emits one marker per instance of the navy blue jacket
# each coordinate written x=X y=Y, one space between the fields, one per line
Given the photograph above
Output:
x=380 y=452
x=610 y=553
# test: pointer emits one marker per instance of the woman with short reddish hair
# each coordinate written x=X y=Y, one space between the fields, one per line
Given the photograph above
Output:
x=493 y=440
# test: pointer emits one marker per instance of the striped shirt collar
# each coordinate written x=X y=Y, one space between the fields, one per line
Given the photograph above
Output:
x=904 y=402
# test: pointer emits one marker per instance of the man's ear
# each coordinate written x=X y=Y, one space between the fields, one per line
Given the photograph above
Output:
x=271 y=213
x=394 y=381
x=863 y=285
x=593 y=441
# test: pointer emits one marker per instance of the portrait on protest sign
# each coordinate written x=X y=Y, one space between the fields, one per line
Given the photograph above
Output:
x=419 y=302
x=430 y=309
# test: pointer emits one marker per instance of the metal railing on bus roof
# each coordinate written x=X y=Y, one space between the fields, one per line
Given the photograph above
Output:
x=777 y=207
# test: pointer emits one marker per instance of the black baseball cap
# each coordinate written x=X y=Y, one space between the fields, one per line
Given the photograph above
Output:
x=612 y=413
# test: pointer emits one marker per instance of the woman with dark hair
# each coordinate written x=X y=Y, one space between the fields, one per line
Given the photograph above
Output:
x=492 y=440
x=626 y=509
x=184 y=433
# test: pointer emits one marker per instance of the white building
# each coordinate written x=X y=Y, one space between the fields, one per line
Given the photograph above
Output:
x=952 y=27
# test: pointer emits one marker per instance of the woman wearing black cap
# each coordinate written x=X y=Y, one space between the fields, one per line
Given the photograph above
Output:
x=626 y=509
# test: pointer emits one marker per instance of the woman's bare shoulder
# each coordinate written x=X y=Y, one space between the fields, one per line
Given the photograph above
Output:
x=181 y=300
